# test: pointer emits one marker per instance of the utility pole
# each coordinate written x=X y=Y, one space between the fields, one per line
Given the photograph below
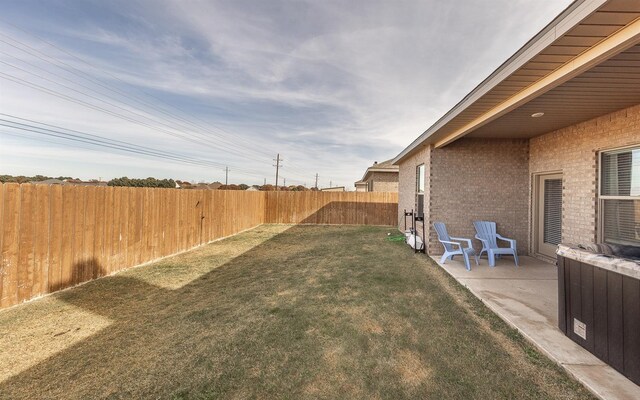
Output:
x=265 y=181
x=330 y=184
x=316 y=180
x=284 y=182
x=226 y=176
x=277 y=160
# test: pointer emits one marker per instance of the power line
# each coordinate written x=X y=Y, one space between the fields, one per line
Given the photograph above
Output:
x=69 y=68
x=91 y=79
x=89 y=105
x=62 y=135
x=40 y=140
x=23 y=82
x=241 y=151
x=100 y=141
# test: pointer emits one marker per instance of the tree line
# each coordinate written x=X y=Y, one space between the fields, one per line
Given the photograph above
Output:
x=25 y=179
x=146 y=182
x=155 y=183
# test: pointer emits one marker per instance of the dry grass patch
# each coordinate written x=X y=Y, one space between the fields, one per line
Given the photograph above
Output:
x=411 y=369
x=27 y=339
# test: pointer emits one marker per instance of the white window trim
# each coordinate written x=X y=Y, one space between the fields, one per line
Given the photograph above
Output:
x=417 y=185
x=600 y=198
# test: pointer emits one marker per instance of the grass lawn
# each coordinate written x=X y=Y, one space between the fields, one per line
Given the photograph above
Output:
x=276 y=312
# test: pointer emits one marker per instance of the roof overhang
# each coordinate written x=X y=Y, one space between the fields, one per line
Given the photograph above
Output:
x=579 y=40
x=370 y=170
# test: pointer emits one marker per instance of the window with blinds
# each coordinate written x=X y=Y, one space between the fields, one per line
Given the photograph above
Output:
x=620 y=196
x=552 y=228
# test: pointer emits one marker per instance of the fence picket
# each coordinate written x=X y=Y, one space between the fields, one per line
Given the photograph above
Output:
x=11 y=227
x=26 y=242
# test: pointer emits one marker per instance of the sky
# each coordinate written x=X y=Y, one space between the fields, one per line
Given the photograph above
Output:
x=184 y=89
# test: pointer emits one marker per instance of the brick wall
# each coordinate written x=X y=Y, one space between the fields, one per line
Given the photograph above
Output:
x=407 y=184
x=492 y=179
x=574 y=152
x=384 y=181
x=471 y=179
x=480 y=179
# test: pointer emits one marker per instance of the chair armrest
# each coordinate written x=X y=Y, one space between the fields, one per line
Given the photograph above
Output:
x=512 y=242
x=484 y=241
x=468 y=241
x=449 y=242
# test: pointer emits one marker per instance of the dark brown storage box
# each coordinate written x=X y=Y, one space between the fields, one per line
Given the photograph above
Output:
x=604 y=307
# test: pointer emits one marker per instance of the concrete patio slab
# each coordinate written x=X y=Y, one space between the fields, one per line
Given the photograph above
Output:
x=605 y=381
x=526 y=297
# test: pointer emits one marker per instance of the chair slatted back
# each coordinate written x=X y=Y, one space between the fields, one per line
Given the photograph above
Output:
x=487 y=231
x=441 y=230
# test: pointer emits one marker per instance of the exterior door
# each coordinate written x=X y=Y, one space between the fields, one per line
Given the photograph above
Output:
x=549 y=214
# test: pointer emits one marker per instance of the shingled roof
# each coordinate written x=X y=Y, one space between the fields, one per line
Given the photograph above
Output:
x=384 y=166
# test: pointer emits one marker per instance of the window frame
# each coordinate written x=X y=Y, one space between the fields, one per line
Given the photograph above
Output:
x=419 y=193
x=600 y=198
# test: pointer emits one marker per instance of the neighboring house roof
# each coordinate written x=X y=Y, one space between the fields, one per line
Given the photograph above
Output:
x=566 y=71
x=202 y=185
x=384 y=166
x=75 y=182
x=334 y=189
x=81 y=183
x=183 y=184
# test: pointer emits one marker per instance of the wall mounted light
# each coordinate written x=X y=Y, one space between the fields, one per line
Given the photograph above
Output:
x=537 y=115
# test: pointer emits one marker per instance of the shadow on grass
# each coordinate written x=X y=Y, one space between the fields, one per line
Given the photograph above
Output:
x=332 y=213
x=311 y=312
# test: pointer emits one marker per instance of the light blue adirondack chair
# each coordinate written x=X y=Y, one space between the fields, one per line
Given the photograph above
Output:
x=486 y=233
x=453 y=247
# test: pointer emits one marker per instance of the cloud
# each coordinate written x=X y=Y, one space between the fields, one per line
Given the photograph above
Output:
x=330 y=85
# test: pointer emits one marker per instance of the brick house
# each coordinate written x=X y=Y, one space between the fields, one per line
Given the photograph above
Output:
x=361 y=186
x=548 y=145
x=380 y=177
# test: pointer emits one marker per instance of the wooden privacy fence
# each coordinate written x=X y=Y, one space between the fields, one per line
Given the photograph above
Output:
x=53 y=237
x=336 y=208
